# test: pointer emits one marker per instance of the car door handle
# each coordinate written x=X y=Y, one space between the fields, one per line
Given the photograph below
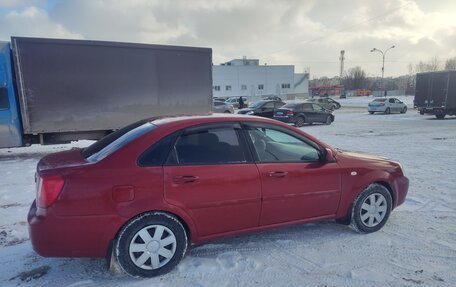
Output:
x=278 y=173
x=185 y=179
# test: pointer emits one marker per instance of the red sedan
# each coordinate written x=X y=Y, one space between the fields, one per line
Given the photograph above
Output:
x=147 y=191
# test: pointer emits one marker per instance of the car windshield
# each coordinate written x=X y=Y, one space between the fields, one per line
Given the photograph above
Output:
x=114 y=141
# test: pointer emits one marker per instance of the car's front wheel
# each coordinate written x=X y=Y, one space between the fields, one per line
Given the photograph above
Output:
x=328 y=120
x=371 y=209
x=404 y=110
x=151 y=244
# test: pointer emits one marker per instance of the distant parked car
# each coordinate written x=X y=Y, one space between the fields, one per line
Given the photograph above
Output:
x=327 y=103
x=387 y=106
x=262 y=108
x=222 y=107
x=235 y=102
x=302 y=113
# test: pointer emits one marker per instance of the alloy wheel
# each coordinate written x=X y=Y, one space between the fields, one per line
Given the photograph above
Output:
x=152 y=247
x=373 y=210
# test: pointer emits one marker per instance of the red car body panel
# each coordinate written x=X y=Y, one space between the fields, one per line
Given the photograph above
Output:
x=98 y=198
x=308 y=190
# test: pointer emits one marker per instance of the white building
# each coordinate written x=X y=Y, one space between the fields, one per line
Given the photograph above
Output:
x=245 y=77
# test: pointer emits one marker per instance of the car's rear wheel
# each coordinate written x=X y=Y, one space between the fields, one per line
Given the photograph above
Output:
x=151 y=244
x=227 y=112
x=387 y=111
x=404 y=110
x=328 y=120
x=300 y=121
x=371 y=113
x=371 y=209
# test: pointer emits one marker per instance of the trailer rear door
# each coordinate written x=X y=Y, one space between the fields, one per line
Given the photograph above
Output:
x=439 y=89
x=423 y=89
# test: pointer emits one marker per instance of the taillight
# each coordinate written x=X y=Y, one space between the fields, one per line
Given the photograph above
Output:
x=48 y=189
x=289 y=113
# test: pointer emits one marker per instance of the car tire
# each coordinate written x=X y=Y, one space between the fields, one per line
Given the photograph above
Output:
x=300 y=121
x=371 y=113
x=404 y=110
x=387 y=111
x=371 y=209
x=227 y=112
x=440 y=117
x=151 y=244
x=328 y=120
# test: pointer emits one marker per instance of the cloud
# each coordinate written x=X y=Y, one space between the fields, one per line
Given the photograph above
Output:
x=32 y=21
x=309 y=34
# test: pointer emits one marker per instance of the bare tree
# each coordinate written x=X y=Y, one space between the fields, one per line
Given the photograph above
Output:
x=429 y=66
x=450 y=64
x=355 y=78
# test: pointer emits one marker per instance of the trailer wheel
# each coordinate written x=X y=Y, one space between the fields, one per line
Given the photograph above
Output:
x=440 y=117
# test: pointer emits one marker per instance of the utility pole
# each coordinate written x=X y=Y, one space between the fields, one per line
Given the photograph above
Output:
x=383 y=63
x=342 y=59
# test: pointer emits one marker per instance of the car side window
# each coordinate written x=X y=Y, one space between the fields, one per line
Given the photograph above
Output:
x=157 y=153
x=208 y=147
x=391 y=101
x=316 y=107
x=277 y=146
x=307 y=107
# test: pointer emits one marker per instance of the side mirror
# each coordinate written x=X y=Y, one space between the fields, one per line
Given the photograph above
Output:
x=329 y=155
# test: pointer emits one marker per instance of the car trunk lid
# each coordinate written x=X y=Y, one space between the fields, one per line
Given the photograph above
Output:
x=64 y=159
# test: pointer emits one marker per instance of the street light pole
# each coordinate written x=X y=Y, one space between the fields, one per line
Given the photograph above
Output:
x=383 y=62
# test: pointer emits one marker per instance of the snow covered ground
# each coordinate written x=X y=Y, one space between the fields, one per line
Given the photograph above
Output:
x=417 y=247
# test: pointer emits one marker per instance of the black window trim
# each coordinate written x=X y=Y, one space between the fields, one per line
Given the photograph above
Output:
x=247 y=125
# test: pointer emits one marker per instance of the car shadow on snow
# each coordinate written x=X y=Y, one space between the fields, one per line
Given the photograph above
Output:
x=291 y=236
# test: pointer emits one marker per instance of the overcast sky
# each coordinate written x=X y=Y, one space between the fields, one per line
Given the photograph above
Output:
x=307 y=34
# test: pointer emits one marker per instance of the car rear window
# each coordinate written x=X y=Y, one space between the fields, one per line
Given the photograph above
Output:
x=116 y=140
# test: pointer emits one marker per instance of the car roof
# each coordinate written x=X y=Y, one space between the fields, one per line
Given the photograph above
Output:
x=209 y=118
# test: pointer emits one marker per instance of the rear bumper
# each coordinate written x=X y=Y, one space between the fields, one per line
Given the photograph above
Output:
x=285 y=119
x=433 y=111
x=72 y=236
